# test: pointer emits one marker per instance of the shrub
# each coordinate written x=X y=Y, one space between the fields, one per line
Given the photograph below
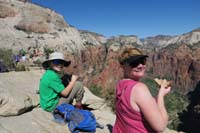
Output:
x=152 y=85
x=175 y=103
x=7 y=56
x=38 y=62
x=48 y=51
x=110 y=98
x=96 y=90
x=20 y=67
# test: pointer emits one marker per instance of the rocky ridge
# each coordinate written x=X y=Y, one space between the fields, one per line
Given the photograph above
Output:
x=161 y=41
x=34 y=26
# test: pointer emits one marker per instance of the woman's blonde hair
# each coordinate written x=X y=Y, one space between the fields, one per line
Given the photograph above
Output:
x=129 y=52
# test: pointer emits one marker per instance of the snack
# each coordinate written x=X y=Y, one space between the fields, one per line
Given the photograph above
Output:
x=163 y=82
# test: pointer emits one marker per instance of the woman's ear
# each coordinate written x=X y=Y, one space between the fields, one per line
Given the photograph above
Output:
x=126 y=69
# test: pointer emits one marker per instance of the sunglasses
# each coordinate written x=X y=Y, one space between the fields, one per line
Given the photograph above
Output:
x=58 y=62
x=137 y=62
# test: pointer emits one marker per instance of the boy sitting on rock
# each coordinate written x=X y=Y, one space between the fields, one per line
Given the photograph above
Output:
x=52 y=91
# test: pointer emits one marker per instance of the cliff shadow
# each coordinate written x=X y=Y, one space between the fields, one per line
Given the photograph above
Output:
x=190 y=118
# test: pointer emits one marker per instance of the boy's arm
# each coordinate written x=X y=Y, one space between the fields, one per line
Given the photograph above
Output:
x=69 y=87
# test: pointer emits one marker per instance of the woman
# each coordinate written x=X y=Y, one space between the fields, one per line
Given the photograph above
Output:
x=52 y=91
x=136 y=110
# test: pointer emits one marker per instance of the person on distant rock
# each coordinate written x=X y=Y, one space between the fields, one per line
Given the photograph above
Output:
x=136 y=110
x=52 y=91
x=16 y=59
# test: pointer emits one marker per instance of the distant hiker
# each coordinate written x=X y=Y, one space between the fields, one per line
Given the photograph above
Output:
x=23 y=58
x=22 y=52
x=16 y=59
x=52 y=91
x=136 y=110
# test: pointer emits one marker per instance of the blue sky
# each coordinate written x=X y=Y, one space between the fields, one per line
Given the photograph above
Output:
x=142 y=18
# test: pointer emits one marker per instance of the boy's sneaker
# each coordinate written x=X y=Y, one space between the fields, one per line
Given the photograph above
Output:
x=79 y=106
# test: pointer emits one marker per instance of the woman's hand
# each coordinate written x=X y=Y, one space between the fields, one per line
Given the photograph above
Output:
x=164 y=90
x=165 y=86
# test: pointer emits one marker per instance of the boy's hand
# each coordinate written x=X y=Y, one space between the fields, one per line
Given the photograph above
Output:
x=74 y=77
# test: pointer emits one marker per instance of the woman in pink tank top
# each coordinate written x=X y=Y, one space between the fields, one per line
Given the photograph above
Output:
x=136 y=110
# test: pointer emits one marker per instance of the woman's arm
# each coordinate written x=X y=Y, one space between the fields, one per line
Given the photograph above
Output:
x=69 y=87
x=154 y=112
x=160 y=102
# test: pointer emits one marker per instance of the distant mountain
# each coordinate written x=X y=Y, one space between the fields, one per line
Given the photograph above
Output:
x=161 y=41
x=93 y=38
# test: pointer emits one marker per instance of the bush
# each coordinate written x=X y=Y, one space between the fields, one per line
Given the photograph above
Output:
x=175 y=103
x=152 y=85
x=20 y=67
x=96 y=90
x=110 y=98
x=7 y=56
x=38 y=62
x=48 y=51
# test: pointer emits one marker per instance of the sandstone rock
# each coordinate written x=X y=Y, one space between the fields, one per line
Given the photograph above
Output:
x=18 y=92
x=6 y=11
x=37 y=27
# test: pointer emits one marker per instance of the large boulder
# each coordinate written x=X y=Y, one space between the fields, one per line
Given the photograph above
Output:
x=18 y=92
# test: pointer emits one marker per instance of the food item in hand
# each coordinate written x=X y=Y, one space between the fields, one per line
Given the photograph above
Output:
x=163 y=82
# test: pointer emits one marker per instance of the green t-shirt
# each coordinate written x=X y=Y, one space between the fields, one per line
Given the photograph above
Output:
x=50 y=87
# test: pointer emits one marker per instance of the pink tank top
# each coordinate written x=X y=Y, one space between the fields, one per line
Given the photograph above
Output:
x=128 y=120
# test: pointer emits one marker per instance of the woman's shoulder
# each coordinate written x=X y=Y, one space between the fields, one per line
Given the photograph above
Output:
x=140 y=87
x=127 y=81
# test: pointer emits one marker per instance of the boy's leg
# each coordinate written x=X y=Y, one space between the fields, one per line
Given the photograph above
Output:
x=76 y=93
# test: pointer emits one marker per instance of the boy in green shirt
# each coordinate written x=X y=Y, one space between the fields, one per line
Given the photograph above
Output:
x=52 y=91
